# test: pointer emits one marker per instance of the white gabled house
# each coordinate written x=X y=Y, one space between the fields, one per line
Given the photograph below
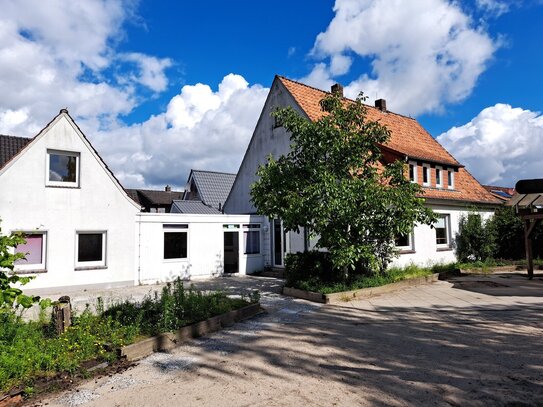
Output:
x=449 y=189
x=78 y=219
x=83 y=229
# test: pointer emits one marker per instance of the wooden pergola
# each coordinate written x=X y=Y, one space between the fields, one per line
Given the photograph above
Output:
x=528 y=204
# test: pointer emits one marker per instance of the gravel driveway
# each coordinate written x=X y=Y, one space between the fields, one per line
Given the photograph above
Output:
x=471 y=341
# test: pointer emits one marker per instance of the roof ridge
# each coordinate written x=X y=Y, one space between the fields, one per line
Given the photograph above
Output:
x=214 y=172
x=19 y=137
x=346 y=98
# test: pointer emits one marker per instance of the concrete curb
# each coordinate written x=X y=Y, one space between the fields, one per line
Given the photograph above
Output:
x=346 y=296
x=498 y=269
x=170 y=340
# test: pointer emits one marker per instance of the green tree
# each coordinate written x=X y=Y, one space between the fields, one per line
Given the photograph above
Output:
x=11 y=296
x=475 y=240
x=335 y=183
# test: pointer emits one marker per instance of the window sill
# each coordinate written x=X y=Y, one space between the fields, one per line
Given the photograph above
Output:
x=444 y=249
x=63 y=186
x=34 y=271
x=82 y=268
x=407 y=251
x=179 y=260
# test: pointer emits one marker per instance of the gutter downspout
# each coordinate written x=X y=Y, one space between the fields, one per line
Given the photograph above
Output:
x=139 y=248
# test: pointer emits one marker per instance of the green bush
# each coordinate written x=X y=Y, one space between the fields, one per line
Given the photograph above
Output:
x=475 y=238
x=307 y=266
x=174 y=308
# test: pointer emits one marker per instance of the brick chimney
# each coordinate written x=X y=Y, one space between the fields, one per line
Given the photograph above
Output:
x=168 y=188
x=381 y=104
x=337 y=89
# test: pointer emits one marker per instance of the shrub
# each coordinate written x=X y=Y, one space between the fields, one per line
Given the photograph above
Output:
x=475 y=238
x=310 y=265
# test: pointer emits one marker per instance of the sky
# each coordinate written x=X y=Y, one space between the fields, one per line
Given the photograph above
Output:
x=160 y=87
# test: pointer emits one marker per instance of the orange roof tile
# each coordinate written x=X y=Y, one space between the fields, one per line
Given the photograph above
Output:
x=408 y=138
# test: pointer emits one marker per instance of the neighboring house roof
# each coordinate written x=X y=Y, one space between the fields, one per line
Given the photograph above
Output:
x=213 y=187
x=154 y=197
x=194 y=207
x=408 y=138
x=503 y=193
x=10 y=146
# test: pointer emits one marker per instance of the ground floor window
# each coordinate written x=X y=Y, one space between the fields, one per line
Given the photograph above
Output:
x=442 y=228
x=251 y=239
x=34 y=250
x=404 y=242
x=175 y=241
x=90 y=249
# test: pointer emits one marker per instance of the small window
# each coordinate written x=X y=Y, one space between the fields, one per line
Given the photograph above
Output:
x=91 y=249
x=62 y=168
x=442 y=231
x=404 y=242
x=426 y=175
x=251 y=239
x=412 y=171
x=439 y=177
x=175 y=242
x=34 y=250
x=450 y=179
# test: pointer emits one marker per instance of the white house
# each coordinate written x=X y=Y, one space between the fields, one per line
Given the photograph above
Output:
x=79 y=222
x=82 y=228
x=449 y=189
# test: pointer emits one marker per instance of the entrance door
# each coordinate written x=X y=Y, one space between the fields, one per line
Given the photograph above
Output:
x=279 y=243
x=231 y=252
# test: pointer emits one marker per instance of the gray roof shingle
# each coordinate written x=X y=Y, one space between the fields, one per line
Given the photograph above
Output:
x=213 y=187
x=193 y=207
x=10 y=146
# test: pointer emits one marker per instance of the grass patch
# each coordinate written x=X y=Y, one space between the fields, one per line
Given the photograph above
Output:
x=489 y=263
x=392 y=275
x=32 y=350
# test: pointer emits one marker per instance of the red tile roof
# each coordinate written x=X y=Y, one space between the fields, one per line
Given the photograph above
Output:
x=408 y=138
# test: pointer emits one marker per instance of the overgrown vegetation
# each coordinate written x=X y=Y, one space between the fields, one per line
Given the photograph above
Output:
x=497 y=240
x=335 y=183
x=310 y=271
x=29 y=350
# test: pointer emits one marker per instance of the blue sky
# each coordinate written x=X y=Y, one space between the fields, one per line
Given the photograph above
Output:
x=162 y=87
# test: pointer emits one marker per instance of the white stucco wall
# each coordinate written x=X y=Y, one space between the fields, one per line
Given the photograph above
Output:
x=205 y=257
x=267 y=139
x=98 y=204
x=426 y=252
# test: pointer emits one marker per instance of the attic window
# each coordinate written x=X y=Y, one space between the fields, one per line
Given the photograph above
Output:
x=426 y=175
x=412 y=171
x=62 y=168
x=439 y=177
x=450 y=179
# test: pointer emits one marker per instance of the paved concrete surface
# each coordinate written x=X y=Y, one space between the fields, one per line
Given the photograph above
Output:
x=471 y=341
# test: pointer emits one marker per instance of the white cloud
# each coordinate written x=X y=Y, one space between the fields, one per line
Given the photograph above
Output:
x=202 y=129
x=423 y=53
x=151 y=70
x=58 y=54
x=494 y=7
x=500 y=146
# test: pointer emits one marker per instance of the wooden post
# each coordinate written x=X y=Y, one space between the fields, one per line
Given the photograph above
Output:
x=528 y=228
x=62 y=314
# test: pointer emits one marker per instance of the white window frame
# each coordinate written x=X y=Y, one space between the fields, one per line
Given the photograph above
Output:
x=252 y=227
x=91 y=264
x=411 y=243
x=77 y=156
x=426 y=168
x=447 y=221
x=175 y=228
x=34 y=267
x=451 y=184
x=415 y=170
x=439 y=170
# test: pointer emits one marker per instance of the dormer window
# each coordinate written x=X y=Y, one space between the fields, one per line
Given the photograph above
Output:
x=439 y=177
x=412 y=171
x=450 y=179
x=62 y=168
x=426 y=175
